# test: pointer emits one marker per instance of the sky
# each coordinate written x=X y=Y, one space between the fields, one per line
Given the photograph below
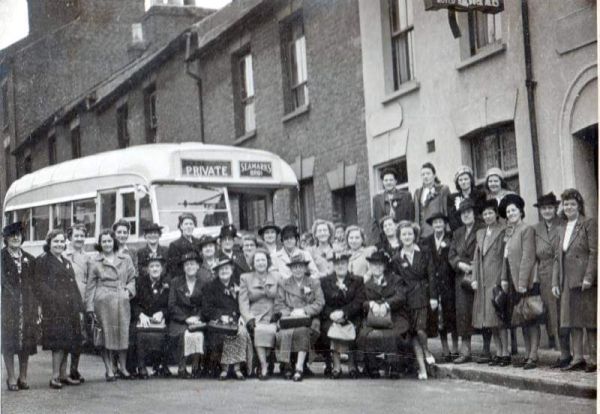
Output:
x=14 y=25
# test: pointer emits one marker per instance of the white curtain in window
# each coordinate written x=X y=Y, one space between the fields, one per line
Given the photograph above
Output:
x=249 y=117
x=248 y=76
x=301 y=69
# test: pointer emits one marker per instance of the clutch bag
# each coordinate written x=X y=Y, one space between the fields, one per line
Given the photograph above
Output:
x=289 y=322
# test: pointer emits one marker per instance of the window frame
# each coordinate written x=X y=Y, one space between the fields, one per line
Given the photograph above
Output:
x=296 y=80
x=476 y=44
x=392 y=163
x=401 y=34
x=498 y=131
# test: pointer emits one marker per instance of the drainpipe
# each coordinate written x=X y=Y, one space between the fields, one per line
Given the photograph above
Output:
x=197 y=78
x=530 y=85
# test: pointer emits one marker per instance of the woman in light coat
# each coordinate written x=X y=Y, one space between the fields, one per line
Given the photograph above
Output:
x=110 y=286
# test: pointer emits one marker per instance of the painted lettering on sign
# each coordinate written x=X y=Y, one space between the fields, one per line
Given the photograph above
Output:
x=204 y=168
x=256 y=169
x=485 y=6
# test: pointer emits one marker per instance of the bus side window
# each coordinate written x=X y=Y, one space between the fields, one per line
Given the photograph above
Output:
x=145 y=211
x=24 y=216
x=41 y=222
x=108 y=209
x=61 y=216
x=84 y=212
x=128 y=200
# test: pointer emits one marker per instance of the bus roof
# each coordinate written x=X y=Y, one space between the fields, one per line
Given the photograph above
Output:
x=146 y=164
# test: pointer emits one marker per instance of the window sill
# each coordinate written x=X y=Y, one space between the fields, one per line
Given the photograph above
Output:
x=297 y=112
x=405 y=89
x=484 y=54
x=246 y=137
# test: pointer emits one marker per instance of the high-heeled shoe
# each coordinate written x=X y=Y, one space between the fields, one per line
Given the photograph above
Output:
x=55 y=384
x=110 y=378
x=22 y=384
x=238 y=375
x=69 y=381
x=12 y=387
x=223 y=375
x=422 y=376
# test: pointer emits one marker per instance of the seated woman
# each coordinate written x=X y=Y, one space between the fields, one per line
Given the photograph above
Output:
x=220 y=305
x=298 y=296
x=344 y=296
x=185 y=306
x=258 y=291
x=385 y=327
x=149 y=308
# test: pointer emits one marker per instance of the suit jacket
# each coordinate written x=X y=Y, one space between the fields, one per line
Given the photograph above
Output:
x=145 y=253
x=401 y=204
x=462 y=249
x=219 y=300
x=349 y=301
x=394 y=294
x=257 y=299
x=579 y=262
x=443 y=272
x=150 y=299
x=546 y=247
x=183 y=304
x=454 y=201
x=176 y=250
x=438 y=203
x=418 y=278
x=521 y=257
x=308 y=296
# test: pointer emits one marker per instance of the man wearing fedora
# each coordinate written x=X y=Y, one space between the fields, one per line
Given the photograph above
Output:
x=392 y=201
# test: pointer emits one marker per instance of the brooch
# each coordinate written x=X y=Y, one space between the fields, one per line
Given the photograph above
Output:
x=25 y=260
x=404 y=264
x=307 y=290
x=443 y=244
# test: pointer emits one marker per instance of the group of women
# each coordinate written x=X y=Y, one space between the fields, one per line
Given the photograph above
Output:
x=467 y=264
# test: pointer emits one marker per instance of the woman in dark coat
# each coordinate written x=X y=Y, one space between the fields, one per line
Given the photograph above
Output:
x=344 y=297
x=187 y=222
x=62 y=307
x=149 y=309
x=383 y=293
x=185 y=310
x=438 y=245
x=460 y=257
x=220 y=304
x=575 y=279
x=430 y=198
x=465 y=189
x=19 y=306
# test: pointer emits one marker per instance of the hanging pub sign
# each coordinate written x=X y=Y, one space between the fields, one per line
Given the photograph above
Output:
x=485 y=6
x=256 y=169
x=205 y=168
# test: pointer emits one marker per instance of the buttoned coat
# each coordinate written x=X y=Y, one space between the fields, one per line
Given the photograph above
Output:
x=61 y=303
x=150 y=299
x=109 y=288
x=183 y=304
x=579 y=261
x=394 y=294
x=520 y=260
x=257 y=299
x=145 y=253
x=176 y=251
x=19 y=305
x=418 y=278
x=307 y=295
x=220 y=300
x=438 y=203
x=487 y=270
x=462 y=249
x=349 y=300
x=444 y=278
x=402 y=205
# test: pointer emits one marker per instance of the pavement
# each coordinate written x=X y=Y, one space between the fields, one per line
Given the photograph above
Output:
x=316 y=395
x=544 y=379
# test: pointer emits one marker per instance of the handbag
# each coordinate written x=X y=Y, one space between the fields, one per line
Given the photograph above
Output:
x=289 y=322
x=379 y=321
x=218 y=327
x=97 y=333
x=465 y=283
x=197 y=327
x=527 y=309
x=499 y=302
x=153 y=327
x=341 y=332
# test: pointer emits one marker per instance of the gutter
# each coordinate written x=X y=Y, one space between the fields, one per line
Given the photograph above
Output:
x=530 y=85
x=197 y=78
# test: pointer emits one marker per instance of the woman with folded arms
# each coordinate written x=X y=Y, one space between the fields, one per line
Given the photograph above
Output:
x=150 y=308
x=298 y=296
x=110 y=286
x=322 y=231
x=258 y=291
x=344 y=297
x=575 y=279
x=62 y=307
x=220 y=305
x=185 y=307
x=19 y=306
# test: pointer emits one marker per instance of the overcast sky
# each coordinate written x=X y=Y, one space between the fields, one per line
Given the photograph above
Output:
x=14 y=25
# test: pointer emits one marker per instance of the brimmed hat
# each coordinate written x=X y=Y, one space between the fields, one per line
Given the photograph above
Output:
x=223 y=260
x=435 y=216
x=339 y=256
x=152 y=228
x=190 y=255
x=269 y=225
x=387 y=171
x=157 y=258
x=289 y=229
x=508 y=200
x=378 y=256
x=298 y=259
x=491 y=203
x=463 y=169
x=547 y=200
x=207 y=239
x=13 y=228
x=466 y=204
x=228 y=230
x=494 y=171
